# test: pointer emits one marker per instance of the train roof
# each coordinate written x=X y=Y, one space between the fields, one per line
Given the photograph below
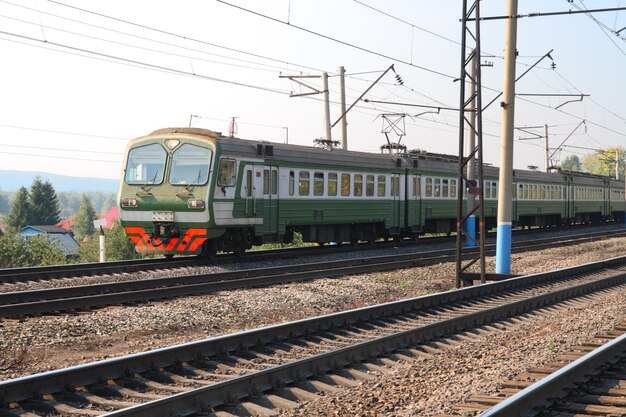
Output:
x=423 y=160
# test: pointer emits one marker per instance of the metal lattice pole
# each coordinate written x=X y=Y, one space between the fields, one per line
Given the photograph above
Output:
x=473 y=104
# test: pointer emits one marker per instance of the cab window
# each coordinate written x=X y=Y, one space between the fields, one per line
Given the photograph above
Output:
x=190 y=165
x=146 y=165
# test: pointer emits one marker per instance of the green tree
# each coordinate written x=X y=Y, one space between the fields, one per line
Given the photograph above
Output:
x=44 y=203
x=19 y=216
x=603 y=162
x=83 y=224
x=17 y=251
x=4 y=204
x=117 y=246
x=571 y=163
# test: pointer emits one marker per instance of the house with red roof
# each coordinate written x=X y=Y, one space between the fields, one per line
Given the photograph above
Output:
x=105 y=220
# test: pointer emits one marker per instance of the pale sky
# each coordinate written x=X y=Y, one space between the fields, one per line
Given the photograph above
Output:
x=77 y=84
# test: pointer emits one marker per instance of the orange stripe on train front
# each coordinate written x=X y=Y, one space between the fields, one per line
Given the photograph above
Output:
x=145 y=239
x=186 y=240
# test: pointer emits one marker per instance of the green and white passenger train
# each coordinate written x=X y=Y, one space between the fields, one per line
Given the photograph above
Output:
x=194 y=191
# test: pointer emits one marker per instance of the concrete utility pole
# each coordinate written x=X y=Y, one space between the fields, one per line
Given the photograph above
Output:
x=342 y=97
x=617 y=164
x=505 y=187
x=101 y=241
x=327 y=134
x=545 y=127
x=470 y=225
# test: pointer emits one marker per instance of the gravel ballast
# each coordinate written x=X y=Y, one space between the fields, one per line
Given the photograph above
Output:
x=43 y=343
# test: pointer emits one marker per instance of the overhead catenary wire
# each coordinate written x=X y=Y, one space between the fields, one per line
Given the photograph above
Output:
x=330 y=38
x=199 y=41
x=146 y=64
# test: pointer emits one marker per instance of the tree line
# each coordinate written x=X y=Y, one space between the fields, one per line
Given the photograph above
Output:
x=37 y=206
x=40 y=206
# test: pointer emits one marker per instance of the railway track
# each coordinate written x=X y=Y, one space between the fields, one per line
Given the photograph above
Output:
x=44 y=273
x=509 y=399
x=593 y=384
x=51 y=300
x=277 y=365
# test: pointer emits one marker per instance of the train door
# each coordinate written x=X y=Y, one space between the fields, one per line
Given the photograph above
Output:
x=270 y=200
x=606 y=197
x=416 y=201
x=515 y=191
x=570 y=198
x=249 y=191
x=395 y=195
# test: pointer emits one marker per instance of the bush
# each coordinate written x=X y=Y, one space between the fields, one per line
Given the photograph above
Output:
x=117 y=246
x=17 y=251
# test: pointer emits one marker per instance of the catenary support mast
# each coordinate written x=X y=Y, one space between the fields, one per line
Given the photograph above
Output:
x=470 y=106
x=505 y=187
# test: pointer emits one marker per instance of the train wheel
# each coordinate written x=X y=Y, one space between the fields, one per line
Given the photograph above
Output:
x=209 y=250
x=240 y=250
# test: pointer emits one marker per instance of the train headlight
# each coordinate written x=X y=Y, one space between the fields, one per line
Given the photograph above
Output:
x=195 y=203
x=129 y=202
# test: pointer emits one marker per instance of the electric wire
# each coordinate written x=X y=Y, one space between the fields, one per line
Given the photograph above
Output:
x=147 y=65
x=143 y=48
x=330 y=38
x=63 y=132
x=199 y=41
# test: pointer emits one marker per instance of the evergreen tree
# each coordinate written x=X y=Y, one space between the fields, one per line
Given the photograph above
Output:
x=83 y=225
x=44 y=203
x=4 y=204
x=19 y=216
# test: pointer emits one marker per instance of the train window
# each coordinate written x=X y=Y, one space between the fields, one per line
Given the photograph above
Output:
x=318 y=183
x=437 y=187
x=369 y=185
x=292 y=181
x=358 y=185
x=332 y=183
x=274 y=181
x=453 y=188
x=266 y=181
x=146 y=165
x=226 y=173
x=444 y=187
x=303 y=183
x=249 y=183
x=190 y=165
x=429 y=187
x=494 y=189
x=345 y=185
x=382 y=186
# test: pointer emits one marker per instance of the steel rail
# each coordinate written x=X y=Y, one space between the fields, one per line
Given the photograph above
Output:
x=41 y=273
x=22 y=303
x=55 y=381
x=529 y=401
x=225 y=392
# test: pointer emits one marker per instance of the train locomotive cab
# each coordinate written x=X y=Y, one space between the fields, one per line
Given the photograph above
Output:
x=164 y=191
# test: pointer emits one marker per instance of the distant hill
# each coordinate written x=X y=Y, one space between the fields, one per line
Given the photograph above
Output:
x=13 y=180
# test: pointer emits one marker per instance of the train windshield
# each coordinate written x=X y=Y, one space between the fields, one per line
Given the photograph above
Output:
x=146 y=165
x=190 y=165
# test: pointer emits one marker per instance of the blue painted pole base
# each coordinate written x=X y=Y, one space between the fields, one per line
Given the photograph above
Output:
x=503 y=249
x=470 y=231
